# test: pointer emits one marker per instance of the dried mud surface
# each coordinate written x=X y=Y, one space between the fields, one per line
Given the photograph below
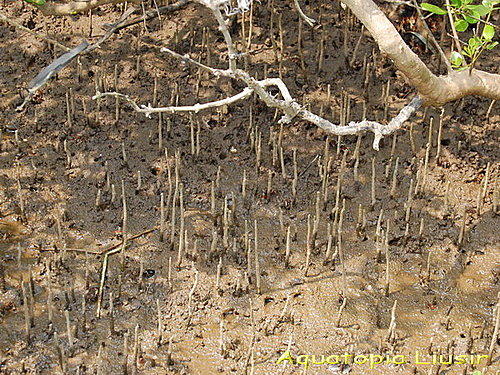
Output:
x=61 y=204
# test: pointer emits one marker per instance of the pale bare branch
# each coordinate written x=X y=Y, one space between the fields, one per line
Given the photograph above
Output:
x=148 y=110
x=453 y=29
x=150 y=14
x=310 y=21
x=379 y=130
x=215 y=7
x=287 y=105
x=187 y=58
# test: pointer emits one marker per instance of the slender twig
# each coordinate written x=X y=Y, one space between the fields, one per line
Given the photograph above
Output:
x=231 y=51
x=310 y=21
x=407 y=3
x=186 y=58
x=433 y=40
x=189 y=108
x=98 y=251
x=486 y=22
x=452 y=24
x=131 y=238
x=62 y=61
x=110 y=30
x=35 y=34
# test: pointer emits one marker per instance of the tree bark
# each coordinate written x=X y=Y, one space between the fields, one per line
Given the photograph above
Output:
x=434 y=90
x=55 y=9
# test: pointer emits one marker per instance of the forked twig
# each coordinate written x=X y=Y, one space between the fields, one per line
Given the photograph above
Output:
x=310 y=21
x=148 y=110
x=135 y=236
x=110 y=251
x=62 y=61
x=99 y=251
x=287 y=105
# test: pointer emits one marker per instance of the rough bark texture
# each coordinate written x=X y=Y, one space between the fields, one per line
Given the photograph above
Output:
x=57 y=9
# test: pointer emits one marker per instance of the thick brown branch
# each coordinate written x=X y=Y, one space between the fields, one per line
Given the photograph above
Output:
x=58 y=9
x=434 y=90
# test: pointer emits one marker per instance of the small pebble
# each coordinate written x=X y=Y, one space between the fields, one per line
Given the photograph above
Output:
x=148 y=274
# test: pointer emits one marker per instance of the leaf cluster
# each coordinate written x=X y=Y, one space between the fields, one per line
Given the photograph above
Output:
x=467 y=15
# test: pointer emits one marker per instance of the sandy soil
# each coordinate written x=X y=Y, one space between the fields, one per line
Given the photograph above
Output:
x=433 y=267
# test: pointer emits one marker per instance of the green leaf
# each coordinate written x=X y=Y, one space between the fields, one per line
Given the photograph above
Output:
x=461 y=25
x=36 y=2
x=433 y=8
x=470 y=19
x=467 y=51
x=491 y=45
x=474 y=42
x=491 y=3
x=488 y=32
x=458 y=3
x=456 y=59
x=479 y=9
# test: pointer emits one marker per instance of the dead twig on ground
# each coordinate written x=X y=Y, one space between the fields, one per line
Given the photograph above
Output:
x=107 y=249
x=131 y=238
x=62 y=61
x=35 y=34
x=149 y=15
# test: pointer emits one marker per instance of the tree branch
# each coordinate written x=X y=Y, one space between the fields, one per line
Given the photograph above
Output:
x=148 y=110
x=435 y=91
x=150 y=14
x=287 y=105
x=58 y=9
x=310 y=21
x=231 y=51
x=453 y=29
